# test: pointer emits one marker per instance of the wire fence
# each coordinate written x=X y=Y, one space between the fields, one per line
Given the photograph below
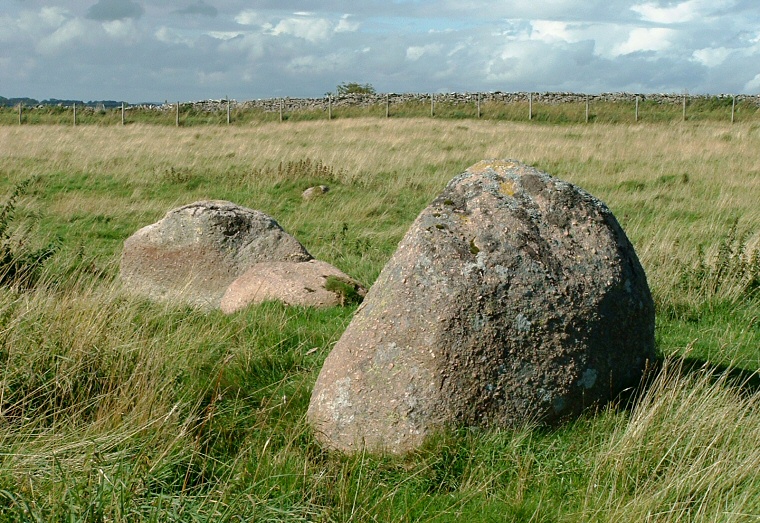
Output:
x=539 y=107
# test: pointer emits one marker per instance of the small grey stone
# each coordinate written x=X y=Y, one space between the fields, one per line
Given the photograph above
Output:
x=313 y=192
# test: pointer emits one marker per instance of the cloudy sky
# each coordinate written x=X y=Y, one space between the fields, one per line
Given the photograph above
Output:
x=156 y=50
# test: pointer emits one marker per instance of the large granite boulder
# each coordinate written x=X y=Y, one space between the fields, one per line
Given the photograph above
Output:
x=514 y=298
x=195 y=252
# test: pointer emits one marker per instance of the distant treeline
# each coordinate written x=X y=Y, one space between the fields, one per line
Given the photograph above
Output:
x=31 y=102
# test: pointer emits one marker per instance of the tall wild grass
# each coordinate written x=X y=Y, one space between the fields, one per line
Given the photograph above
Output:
x=114 y=408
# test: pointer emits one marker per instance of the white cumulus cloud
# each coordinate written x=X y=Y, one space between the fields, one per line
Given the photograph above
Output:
x=68 y=33
x=710 y=56
x=311 y=64
x=53 y=16
x=39 y=22
x=679 y=13
x=416 y=52
x=249 y=47
x=224 y=35
x=753 y=86
x=249 y=17
x=551 y=31
x=643 y=39
x=310 y=29
x=302 y=24
x=345 y=25
x=169 y=35
x=123 y=30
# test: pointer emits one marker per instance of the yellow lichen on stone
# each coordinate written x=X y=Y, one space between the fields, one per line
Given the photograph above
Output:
x=499 y=166
x=507 y=187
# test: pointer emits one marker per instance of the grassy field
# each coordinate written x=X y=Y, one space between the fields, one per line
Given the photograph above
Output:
x=118 y=409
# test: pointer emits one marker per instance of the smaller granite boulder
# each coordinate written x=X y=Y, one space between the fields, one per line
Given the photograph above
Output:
x=195 y=252
x=313 y=283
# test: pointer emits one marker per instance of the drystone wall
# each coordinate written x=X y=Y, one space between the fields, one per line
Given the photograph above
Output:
x=370 y=100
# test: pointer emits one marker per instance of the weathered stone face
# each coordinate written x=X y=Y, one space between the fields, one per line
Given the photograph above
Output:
x=514 y=297
x=196 y=251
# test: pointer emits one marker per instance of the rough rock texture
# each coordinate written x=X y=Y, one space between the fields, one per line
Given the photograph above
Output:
x=293 y=283
x=514 y=297
x=196 y=251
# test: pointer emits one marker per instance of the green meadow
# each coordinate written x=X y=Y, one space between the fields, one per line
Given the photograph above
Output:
x=117 y=409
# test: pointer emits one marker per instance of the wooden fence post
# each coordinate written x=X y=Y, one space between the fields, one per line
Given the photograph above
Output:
x=530 y=106
x=176 y=119
x=122 y=113
x=586 y=108
x=432 y=104
x=281 y=104
x=684 y=108
x=478 y=105
x=19 y=112
x=329 y=107
x=387 y=106
x=228 y=110
x=637 y=109
x=733 y=107
x=75 y=114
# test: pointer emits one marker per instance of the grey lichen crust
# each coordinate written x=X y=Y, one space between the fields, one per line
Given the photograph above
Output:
x=514 y=297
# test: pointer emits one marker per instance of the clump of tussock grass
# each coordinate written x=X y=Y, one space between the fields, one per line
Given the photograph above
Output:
x=125 y=407
x=94 y=358
x=20 y=263
x=688 y=452
x=732 y=272
x=305 y=171
x=727 y=275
